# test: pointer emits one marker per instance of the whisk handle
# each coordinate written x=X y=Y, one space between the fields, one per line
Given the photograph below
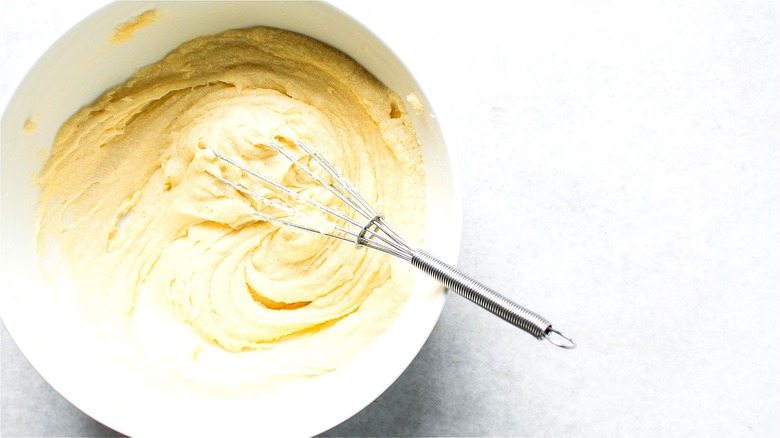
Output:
x=487 y=298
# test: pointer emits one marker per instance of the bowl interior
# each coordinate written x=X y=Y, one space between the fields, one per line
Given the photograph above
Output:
x=42 y=319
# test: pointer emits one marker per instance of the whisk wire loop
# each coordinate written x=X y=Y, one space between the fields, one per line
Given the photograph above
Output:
x=367 y=237
x=365 y=208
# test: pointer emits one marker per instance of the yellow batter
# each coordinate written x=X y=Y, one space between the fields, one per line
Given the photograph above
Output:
x=170 y=264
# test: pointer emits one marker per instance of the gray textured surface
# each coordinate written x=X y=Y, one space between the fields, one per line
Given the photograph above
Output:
x=620 y=165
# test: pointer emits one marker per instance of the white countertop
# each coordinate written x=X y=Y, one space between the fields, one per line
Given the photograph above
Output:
x=620 y=166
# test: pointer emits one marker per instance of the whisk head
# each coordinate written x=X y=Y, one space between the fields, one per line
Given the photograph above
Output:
x=292 y=208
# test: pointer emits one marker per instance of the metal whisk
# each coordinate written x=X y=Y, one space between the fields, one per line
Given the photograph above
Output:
x=378 y=235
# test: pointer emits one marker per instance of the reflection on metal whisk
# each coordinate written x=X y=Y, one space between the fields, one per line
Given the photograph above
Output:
x=377 y=234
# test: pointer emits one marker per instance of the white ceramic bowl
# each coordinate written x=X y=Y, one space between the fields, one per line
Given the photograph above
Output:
x=47 y=328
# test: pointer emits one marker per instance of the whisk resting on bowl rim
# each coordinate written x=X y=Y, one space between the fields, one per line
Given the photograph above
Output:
x=378 y=235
